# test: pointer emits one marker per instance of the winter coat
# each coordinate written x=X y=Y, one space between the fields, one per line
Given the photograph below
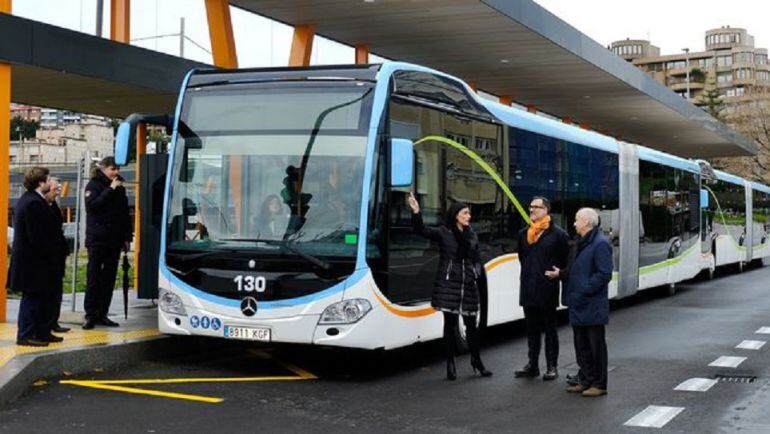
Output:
x=551 y=249
x=564 y=272
x=107 y=215
x=455 y=288
x=588 y=280
x=63 y=248
x=35 y=243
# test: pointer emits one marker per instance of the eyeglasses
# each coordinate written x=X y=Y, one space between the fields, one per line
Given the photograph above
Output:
x=536 y=207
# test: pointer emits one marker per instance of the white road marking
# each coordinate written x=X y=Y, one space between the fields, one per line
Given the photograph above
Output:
x=727 y=362
x=751 y=345
x=654 y=416
x=763 y=331
x=696 y=385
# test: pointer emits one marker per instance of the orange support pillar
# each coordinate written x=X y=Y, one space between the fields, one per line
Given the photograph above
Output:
x=221 y=33
x=506 y=100
x=302 y=45
x=473 y=85
x=362 y=54
x=141 y=149
x=585 y=126
x=5 y=144
x=120 y=21
x=567 y=120
x=531 y=108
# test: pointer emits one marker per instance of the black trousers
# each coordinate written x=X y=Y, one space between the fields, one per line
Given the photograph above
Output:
x=33 y=321
x=102 y=269
x=54 y=308
x=541 y=320
x=591 y=354
x=471 y=331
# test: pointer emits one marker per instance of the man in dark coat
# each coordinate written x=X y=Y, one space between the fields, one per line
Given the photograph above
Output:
x=589 y=306
x=108 y=230
x=61 y=258
x=542 y=245
x=33 y=259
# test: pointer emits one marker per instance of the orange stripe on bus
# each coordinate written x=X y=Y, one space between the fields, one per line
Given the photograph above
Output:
x=501 y=260
x=403 y=312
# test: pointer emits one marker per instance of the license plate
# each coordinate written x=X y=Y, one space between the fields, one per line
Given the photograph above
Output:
x=247 y=333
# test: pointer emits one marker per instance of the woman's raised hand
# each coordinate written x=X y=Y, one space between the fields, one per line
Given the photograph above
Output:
x=412 y=202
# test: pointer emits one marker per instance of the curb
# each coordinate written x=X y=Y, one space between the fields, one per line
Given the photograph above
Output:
x=18 y=375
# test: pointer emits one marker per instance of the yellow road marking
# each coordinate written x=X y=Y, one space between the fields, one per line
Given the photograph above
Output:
x=114 y=385
x=201 y=380
x=134 y=390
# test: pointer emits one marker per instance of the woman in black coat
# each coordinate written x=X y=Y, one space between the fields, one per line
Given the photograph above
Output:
x=455 y=291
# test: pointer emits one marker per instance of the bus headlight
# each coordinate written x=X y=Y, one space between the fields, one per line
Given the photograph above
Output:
x=171 y=303
x=345 y=312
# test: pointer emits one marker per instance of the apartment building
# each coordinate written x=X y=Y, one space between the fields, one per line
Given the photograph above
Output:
x=730 y=62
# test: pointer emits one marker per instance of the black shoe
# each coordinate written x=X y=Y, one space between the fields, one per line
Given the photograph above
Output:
x=451 y=371
x=108 y=322
x=527 y=371
x=31 y=343
x=89 y=324
x=573 y=380
x=478 y=365
x=51 y=338
x=550 y=374
x=59 y=329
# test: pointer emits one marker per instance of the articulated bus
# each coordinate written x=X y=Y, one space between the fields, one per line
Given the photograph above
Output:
x=284 y=216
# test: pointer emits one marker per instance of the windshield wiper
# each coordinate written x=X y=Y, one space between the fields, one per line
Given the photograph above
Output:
x=288 y=246
x=186 y=256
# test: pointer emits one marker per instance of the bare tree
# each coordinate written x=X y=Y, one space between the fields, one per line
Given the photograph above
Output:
x=751 y=117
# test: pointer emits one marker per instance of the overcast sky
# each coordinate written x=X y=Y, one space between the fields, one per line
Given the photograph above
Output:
x=670 y=24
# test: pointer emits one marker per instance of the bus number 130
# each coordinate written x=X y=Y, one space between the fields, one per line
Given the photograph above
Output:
x=250 y=283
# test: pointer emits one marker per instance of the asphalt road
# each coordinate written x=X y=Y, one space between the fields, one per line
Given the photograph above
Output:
x=655 y=343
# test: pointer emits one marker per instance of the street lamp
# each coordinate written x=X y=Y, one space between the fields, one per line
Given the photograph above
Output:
x=687 y=66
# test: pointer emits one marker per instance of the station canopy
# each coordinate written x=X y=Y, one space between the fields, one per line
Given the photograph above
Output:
x=507 y=47
x=517 y=48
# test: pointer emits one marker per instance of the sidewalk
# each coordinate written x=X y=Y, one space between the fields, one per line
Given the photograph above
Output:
x=82 y=350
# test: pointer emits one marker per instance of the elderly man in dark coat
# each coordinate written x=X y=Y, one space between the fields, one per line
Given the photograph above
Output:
x=33 y=261
x=542 y=246
x=62 y=252
x=589 y=307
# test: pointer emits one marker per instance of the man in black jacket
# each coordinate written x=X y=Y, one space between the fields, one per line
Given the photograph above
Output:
x=542 y=245
x=61 y=254
x=108 y=230
x=33 y=259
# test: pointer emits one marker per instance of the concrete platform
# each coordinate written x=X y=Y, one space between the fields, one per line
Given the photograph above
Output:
x=82 y=350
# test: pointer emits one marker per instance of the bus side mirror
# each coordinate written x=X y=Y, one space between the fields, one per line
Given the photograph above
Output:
x=126 y=137
x=401 y=162
x=704 y=198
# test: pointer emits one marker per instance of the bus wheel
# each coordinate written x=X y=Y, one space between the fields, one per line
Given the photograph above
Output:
x=672 y=289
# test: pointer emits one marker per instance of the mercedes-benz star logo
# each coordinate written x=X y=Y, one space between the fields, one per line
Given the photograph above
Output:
x=249 y=306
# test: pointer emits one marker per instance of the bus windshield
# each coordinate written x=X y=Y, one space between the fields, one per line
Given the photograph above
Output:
x=271 y=169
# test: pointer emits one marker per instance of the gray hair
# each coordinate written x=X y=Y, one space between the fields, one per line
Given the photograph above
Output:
x=590 y=215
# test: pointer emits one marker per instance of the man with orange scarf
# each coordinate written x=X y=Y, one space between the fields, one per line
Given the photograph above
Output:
x=542 y=246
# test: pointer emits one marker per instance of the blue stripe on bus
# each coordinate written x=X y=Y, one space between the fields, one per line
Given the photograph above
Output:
x=659 y=157
x=724 y=176
x=518 y=118
x=351 y=280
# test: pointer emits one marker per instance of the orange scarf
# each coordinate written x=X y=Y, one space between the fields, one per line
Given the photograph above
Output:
x=536 y=229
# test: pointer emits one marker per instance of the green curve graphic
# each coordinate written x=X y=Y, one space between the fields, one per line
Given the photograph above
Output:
x=722 y=216
x=487 y=168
